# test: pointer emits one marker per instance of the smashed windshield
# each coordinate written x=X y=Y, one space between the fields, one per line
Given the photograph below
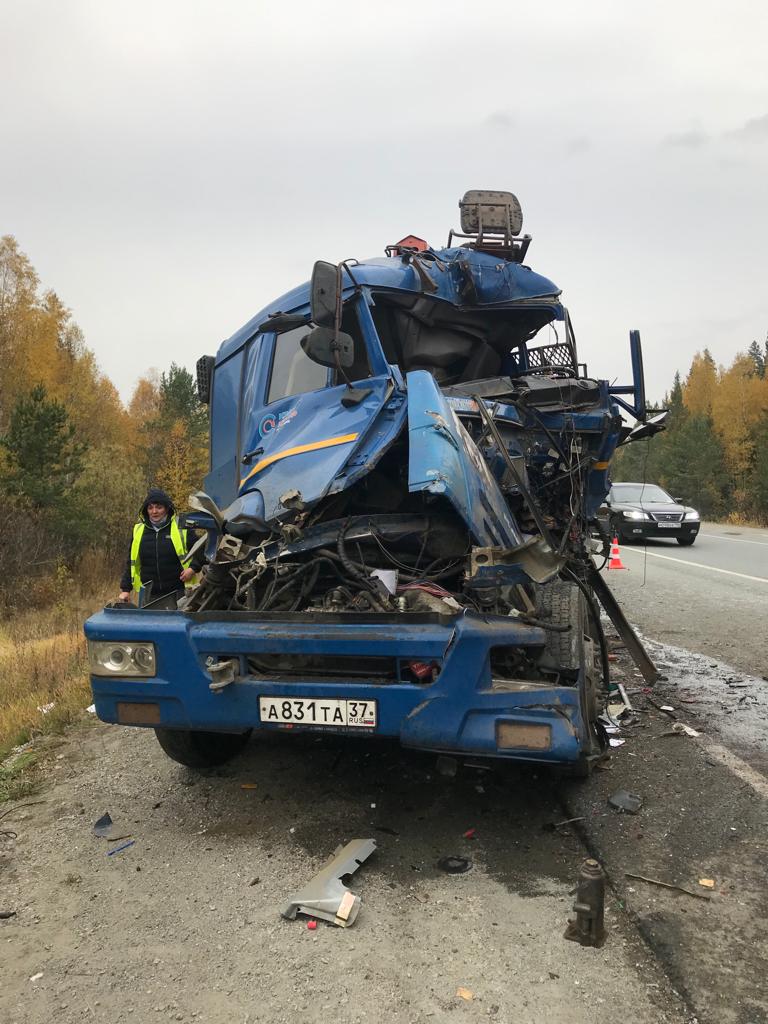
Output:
x=640 y=492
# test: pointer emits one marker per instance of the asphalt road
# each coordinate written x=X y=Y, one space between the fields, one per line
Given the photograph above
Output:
x=711 y=598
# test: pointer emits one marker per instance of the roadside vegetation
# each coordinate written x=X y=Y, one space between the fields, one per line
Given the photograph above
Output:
x=74 y=465
x=714 y=452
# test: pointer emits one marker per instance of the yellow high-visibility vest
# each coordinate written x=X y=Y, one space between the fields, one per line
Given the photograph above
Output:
x=178 y=539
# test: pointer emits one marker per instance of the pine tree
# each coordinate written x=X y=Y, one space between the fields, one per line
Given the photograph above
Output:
x=43 y=457
x=755 y=353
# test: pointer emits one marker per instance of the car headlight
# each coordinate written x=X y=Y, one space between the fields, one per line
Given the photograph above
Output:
x=633 y=513
x=108 y=658
x=692 y=514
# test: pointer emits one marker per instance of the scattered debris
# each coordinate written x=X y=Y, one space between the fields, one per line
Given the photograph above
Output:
x=45 y=708
x=254 y=881
x=36 y=977
x=419 y=897
x=666 y=708
x=119 y=849
x=454 y=865
x=550 y=826
x=249 y=785
x=681 y=729
x=5 y=915
x=625 y=801
x=668 y=885
x=312 y=924
x=707 y=883
x=91 y=709
x=325 y=896
x=470 y=833
x=588 y=927
x=465 y=993
x=614 y=742
x=105 y=828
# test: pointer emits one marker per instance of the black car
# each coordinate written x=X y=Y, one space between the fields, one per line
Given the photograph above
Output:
x=638 y=511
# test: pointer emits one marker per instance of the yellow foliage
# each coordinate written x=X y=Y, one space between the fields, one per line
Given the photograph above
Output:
x=738 y=403
x=700 y=385
x=181 y=464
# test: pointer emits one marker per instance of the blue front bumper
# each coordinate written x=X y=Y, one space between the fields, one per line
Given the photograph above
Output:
x=461 y=711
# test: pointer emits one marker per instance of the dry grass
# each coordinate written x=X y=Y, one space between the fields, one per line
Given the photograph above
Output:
x=43 y=662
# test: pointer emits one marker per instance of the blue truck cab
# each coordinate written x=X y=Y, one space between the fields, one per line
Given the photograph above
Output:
x=406 y=460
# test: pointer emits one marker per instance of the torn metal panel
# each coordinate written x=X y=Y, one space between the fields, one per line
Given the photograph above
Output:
x=443 y=459
x=325 y=896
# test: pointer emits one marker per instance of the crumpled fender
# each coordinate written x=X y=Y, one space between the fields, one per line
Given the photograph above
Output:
x=444 y=460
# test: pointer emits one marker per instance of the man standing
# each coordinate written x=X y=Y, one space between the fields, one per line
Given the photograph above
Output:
x=157 y=549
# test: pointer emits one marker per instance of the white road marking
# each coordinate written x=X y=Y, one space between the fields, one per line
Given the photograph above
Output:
x=696 y=565
x=739 y=540
x=739 y=768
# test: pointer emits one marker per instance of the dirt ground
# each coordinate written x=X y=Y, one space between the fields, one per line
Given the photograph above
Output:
x=185 y=924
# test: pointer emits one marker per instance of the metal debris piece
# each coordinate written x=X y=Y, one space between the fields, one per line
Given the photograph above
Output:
x=682 y=729
x=625 y=801
x=325 y=896
x=588 y=927
x=668 y=885
x=551 y=826
x=222 y=673
x=119 y=849
x=105 y=828
x=454 y=865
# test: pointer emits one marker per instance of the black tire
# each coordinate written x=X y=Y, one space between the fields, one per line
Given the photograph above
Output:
x=573 y=653
x=201 y=749
x=562 y=604
x=685 y=542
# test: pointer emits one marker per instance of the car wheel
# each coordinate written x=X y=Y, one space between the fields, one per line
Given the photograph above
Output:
x=201 y=749
x=685 y=541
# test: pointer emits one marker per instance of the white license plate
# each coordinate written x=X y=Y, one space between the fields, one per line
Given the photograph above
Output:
x=349 y=714
x=668 y=526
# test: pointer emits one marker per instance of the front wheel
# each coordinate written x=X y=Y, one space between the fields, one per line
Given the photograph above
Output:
x=201 y=749
x=685 y=541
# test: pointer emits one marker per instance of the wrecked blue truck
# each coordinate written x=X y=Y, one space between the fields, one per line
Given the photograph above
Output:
x=406 y=461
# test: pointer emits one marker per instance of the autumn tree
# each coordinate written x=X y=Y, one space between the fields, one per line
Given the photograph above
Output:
x=700 y=384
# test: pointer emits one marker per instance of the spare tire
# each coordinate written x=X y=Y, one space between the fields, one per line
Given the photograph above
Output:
x=201 y=749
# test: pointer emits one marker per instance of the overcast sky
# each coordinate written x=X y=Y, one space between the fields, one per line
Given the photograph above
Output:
x=171 y=167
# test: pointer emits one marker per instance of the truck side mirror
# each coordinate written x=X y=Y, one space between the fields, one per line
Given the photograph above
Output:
x=323 y=293
x=649 y=428
x=323 y=346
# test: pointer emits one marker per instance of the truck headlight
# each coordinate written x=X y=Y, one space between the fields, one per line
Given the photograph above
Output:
x=109 y=658
x=633 y=513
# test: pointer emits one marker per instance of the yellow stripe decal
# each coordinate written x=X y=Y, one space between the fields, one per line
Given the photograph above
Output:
x=299 y=450
x=601 y=465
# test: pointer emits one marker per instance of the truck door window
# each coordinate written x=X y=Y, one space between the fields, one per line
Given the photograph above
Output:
x=293 y=372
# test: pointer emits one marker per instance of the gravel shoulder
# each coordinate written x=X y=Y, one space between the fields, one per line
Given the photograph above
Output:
x=184 y=925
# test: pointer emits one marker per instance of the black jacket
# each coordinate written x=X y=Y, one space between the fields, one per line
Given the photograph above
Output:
x=158 y=561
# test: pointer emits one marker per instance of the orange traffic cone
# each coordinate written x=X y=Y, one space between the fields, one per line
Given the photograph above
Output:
x=615 y=562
